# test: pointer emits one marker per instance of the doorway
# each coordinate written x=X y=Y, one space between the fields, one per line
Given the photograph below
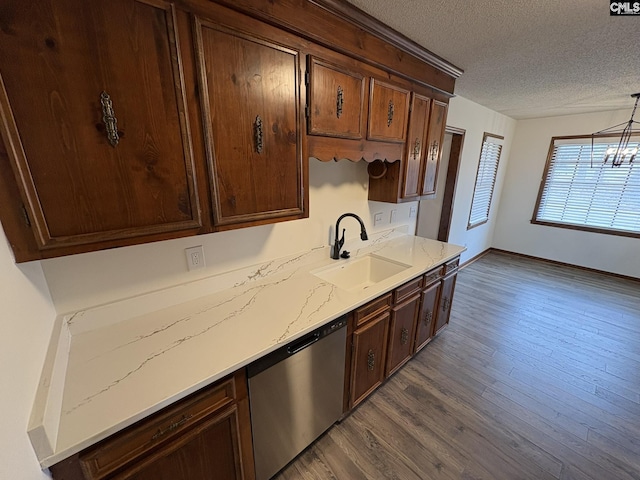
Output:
x=435 y=212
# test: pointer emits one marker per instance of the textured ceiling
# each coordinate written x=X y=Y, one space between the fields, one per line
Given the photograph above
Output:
x=526 y=58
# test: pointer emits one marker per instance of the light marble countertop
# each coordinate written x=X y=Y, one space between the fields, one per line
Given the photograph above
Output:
x=112 y=365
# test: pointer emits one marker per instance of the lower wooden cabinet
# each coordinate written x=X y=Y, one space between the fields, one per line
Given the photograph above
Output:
x=366 y=362
x=205 y=436
x=428 y=313
x=446 y=296
x=402 y=333
x=384 y=333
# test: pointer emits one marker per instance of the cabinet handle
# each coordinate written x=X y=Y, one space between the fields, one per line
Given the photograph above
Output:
x=171 y=427
x=416 y=149
x=339 y=101
x=257 y=134
x=109 y=119
x=433 y=150
x=371 y=360
x=428 y=317
x=404 y=336
x=445 y=304
x=390 y=111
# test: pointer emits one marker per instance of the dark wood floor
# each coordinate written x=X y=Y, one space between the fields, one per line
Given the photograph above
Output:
x=536 y=377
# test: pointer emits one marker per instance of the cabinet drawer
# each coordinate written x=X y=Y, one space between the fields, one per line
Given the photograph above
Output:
x=451 y=265
x=407 y=289
x=432 y=276
x=371 y=309
x=148 y=434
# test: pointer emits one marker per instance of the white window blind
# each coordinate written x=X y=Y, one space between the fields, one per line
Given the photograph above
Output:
x=485 y=180
x=581 y=191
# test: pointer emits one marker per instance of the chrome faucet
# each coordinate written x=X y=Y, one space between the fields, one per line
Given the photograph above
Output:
x=335 y=251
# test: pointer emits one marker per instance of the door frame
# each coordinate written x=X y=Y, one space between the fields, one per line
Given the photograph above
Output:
x=455 y=159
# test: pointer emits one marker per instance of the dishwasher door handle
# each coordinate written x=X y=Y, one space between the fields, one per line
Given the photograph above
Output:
x=303 y=343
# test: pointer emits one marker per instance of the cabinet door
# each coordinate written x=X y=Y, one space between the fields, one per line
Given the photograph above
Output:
x=401 y=333
x=100 y=145
x=446 y=297
x=415 y=146
x=206 y=435
x=336 y=101
x=209 y=451
x=369 y=355
x=437 y=124
x=250 y=91
x=388 y=112
x=428 y=315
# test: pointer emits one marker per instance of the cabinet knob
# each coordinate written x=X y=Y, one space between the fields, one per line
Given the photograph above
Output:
x=339 y=101
x=428 y=317
x=416 y=149
x=446 y=304
x=433 y=150
x=390 y=112
x=371 y=359
x=109 y=119
x=257 y=134
x=177 y=424
x=404 y=336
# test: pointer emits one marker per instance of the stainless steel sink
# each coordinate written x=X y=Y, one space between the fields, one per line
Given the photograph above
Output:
x=361 y=272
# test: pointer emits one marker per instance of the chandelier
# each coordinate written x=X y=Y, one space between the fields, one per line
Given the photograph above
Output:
x=623 y=152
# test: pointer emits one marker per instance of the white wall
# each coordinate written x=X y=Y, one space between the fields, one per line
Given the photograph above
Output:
x=84 y=280
x=27 y=316
x=514 y=230
x=476 y=120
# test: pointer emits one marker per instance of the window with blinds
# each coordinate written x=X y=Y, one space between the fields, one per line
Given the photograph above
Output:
x=582 y=190
x=485 y=180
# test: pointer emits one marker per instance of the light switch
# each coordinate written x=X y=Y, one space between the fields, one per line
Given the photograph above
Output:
x=377 y=218
x=394 y=215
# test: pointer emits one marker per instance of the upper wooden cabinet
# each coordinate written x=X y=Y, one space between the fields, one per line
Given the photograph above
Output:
x=416 y=146
x=93 y=117
x=141 y=120
x=336 y=101
x=414 y=176
x=250 y=94
x=437 y=123
x=338 y=112
x=388 y=112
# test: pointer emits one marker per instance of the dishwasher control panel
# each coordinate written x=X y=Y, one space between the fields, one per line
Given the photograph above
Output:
x=333 y=326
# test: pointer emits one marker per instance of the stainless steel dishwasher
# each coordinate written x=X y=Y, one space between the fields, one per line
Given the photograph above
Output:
x=296 y=394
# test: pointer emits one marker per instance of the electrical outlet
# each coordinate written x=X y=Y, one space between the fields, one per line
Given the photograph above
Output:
x=195 y=257
x=413 y=211
x=377 y=218
x=394 y=215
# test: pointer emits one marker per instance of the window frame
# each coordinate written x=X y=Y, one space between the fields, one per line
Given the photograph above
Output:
x=569 y=226
x=493 y=184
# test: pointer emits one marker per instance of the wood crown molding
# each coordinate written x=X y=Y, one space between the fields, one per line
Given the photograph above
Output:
x=354 y=15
